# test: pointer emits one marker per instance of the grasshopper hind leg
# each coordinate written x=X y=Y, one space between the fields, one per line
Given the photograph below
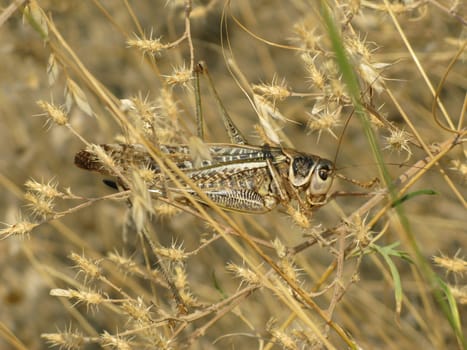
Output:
x=244 y=201
x=235 y=134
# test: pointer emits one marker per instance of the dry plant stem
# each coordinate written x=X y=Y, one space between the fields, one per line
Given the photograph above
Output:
x=251 y=17
x=9 y=336
x=151 y=60
x=186 y=35
x=391 y=126
x=9 y=10
x=109 y=17
x=90 y=201
x=46 y=275
x=440 y=87
x=463 y=112
x=225 y=305
x=448 y=11
x=133 y=17
x=414 y=174
x=427 y=149
x=60 y=227
x=182 y=308
x=202 y=330
x=417 y=62
x=255 y=36
x=227 y=229
x=339 y=275
x=339 y=290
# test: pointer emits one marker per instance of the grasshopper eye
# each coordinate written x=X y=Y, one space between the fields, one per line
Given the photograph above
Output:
x=323 y=174
x=322 y=178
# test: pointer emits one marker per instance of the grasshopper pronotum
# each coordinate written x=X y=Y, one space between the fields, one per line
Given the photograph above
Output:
x=238 y=176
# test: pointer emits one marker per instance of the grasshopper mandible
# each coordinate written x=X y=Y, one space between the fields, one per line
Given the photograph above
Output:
x=238 y=176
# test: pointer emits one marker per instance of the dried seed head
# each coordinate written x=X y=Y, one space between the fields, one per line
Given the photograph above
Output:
x=55 y=114
x=398 y=141
x=181 y=278
x=104 y=158
x=337 y=91
x=141 y=201
x=267 y=108
x=91 y=299
x=145 y=111
x=173 y=254
x=369 y=71
x=21 y=228
x=150 y=117
x=315 y=76
x=152 y=46
x=289 y=269
x=247 y=276
x=181 y=282
x=147 y=175
x=324 y=118
x=352 y=8
x=459 y=293
x=358 y=47
x=115 y=342
x=306 y=37
x=181 y=76
x=371 y=74
x=280 y=248
x=88 y=267
x=455 y=265
x=137 y=310
x=40 y=206
x=127 y=265
x=298 y=217
x=69 y=340
x=144 y=108
x=286 y=341
x=330 y=68
x=357 y=228
x=277 y=90
x=165 y=210
x=168 y=126
x=48 y=190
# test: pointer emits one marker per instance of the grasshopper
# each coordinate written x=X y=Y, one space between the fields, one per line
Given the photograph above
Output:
x=238 y=176
x=244 y=178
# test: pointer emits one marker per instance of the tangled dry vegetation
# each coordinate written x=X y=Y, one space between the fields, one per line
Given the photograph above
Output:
x=377 y=86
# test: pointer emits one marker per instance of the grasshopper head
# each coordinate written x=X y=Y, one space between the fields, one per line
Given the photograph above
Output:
x=311 y=172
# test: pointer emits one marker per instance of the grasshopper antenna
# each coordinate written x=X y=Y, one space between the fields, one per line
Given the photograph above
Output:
x=367 y=184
